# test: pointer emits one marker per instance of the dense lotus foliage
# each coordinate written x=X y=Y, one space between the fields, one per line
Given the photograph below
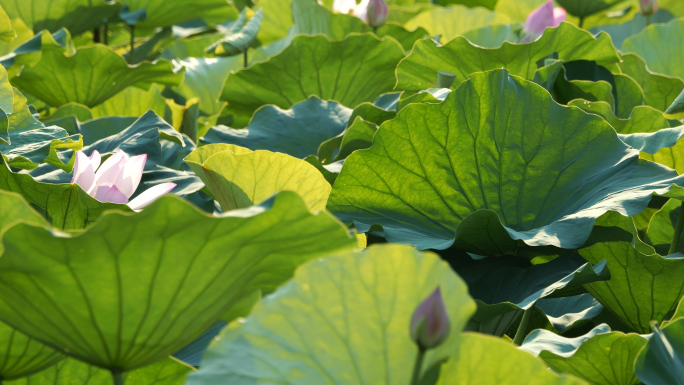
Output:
x=397 y=192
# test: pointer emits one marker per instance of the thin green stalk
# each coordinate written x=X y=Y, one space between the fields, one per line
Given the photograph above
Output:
x=674 y=246
x=96 y=35
x=375 y=30
x=105 y=34
x=417 y=368
x=524 y=323
x=245 y=53
x=581 y=22
x=648 y=20
x=130 y=53
x=118 y=377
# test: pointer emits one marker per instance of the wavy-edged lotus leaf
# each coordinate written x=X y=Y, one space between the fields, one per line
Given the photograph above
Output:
x=297 y=131
x=277 y=20
x=600 y=357
x=352 y=71
x=644 y=286
x=29 y=143
x=644 y=119
x=660 y=91
x=60 y=77
x=620 y=32
x=141 y=137
x=22 y=32
x=440 y=173
x=22 y=356
x=418 y=71
x=238 y=42
x=132 y=101
x=77 y=16
x=484 y=360
x=661 y=47
x=7 y=34
x=204 y=79
x=676 y=109
x=73 y=372
x=584 y=8
x=567 y=312
x=239 y=177
x=661 y=230
x=111 y=295
x=661 y=361
x=357 y=304
x=453 y=21
x=162 y=13
x=520 y=285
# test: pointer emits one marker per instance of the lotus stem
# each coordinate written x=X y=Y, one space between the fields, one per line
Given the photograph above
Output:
x=118 y=377
x=417 y=368
x=524 y=323
x=105 y=34
x=674 y=246
x=375 y=30
x=96 y=35
x=581 y=22
x=130 y=53
x=648 y=20
x=245 y=56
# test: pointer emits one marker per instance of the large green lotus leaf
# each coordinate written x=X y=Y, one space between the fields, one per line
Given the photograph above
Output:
x=661 y=361
x=132 y=101
x=442 y=172
x=239 y=177
x=600 y=357
x=277 y=20
x=59 y=78
x=130 y=290
x=73 y=372
x=141 y=137
x=620 y=32
x=297 y=132
x=644 y=286
x=485 y=360
x=204 y=79
x=418 y=71
x=162 y=13
x=644 y=119
x=660 y=231
x=192 y=46
x=65 y=206
x=584 y=8
x=520 y=286
x=352 y=71
x=30 y=143
x=7 y=100
x=77 y=16
x=493 y=36
x=453 y=21
x=345 y=320
x=22 y=356
x=23 y=33
x=7 y=33
x=660 y=91
x=661 y=47
x=672 y=157
x=567 y=312
x=238 y=40
x=676 y=110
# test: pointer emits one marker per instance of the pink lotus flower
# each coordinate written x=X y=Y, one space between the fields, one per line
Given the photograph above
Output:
x=648 y=7
x=541 y=18
x=430 y=322
x=376 y=13
x=116 y=179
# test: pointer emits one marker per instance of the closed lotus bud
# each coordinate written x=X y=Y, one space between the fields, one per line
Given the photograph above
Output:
x=648 y=7
x=541 y=18
x=376 y=13
x=430 y=322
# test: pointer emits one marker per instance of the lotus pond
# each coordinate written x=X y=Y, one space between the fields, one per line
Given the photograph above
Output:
x=326 y=192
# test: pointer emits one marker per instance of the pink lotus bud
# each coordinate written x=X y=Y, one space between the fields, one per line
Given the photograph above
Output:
x=376 y=13
x=648 y=7
x=541 y=18
x=430 y=322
